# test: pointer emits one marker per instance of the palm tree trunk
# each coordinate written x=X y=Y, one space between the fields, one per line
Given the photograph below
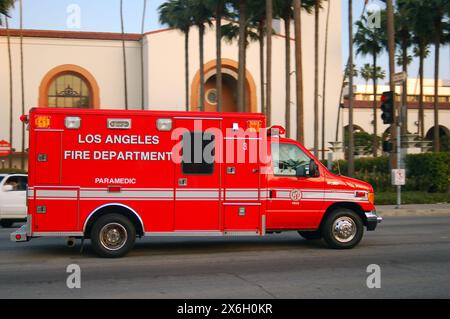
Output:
x=351 y=163
x=375 y=116
x=22 y=159
x=124 y=56
x=325 y=57
x=201 y=32
x=142 y=55
x=287 y=27
x=10 y=92
x=316 y=78
x=299 y=70
x=261 y=67
x=186 y=68
x=421 y=58
x=437 y=47
x=405 y=88
x=219 y=54
x=269 y=18
x=241 y=70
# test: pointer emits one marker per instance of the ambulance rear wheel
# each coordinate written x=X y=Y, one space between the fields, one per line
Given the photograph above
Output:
x=342 y=229
x=113 y=236
x=311 y=235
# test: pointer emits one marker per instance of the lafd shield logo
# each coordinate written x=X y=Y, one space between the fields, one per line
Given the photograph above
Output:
x=296 y=195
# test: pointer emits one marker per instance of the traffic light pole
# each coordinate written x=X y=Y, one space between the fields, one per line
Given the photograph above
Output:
x=399 y=154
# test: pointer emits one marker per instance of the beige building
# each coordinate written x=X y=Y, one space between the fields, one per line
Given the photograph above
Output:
x=85 y=69
x=363 y=105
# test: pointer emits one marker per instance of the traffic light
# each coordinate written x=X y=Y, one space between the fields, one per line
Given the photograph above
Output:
x=387 y=146
x=387 y=107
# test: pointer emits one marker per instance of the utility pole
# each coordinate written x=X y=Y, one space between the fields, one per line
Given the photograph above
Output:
x=351 y=142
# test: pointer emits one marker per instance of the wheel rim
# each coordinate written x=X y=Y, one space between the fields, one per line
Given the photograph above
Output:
x=344 y=229
x=113 y=236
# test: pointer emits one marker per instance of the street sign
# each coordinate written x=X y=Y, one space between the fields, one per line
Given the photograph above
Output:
x=399 y=77
x=5 y=148
x=398 y=177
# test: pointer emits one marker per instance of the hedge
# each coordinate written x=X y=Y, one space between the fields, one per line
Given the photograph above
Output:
x=427 y=172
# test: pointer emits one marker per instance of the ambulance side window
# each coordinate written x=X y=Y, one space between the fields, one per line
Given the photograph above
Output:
x=287 y=158
x=198 y=153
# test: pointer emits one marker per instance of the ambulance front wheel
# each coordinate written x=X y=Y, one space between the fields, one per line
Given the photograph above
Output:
x=112 y=236
x=342 y=229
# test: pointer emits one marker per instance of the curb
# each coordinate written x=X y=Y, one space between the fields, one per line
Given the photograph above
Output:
x=402 y=212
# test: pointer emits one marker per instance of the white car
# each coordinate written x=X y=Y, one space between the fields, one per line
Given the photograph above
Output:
x=13 y=206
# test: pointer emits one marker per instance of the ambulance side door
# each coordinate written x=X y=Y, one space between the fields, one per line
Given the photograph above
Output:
x=197 y=177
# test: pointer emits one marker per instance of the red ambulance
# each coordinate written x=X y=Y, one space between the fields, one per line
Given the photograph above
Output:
x=112 y=175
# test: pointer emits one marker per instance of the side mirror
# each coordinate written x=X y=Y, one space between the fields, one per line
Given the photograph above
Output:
x=8 y=188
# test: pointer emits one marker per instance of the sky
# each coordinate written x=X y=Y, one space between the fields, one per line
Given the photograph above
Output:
x=103 y=16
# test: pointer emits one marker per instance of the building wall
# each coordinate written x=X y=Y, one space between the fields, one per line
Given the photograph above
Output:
x=165 y=70
x=102 y=58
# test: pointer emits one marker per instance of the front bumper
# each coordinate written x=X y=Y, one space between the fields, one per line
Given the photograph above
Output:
x=372 y=220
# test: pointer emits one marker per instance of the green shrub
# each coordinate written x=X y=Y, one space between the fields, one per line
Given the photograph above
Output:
x=428 y=172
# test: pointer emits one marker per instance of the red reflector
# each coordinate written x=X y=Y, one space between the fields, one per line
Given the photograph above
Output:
x=114 y=189
x=18 y=237
x=360 y=194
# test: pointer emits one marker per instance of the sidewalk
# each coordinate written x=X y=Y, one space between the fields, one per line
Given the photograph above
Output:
x=415 y=210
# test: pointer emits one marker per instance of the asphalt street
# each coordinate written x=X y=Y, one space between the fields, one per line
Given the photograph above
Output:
x=413 y=254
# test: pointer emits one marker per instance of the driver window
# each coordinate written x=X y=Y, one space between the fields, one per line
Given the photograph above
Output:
x=18 y=183
x=286 y=158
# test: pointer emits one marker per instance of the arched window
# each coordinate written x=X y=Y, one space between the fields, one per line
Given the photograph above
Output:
x=69 y=90
x=69 y=85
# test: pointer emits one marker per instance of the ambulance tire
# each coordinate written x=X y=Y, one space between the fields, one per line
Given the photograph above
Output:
x=342 y=229
x=311 y=235
x=113 y=236
x=6 y=223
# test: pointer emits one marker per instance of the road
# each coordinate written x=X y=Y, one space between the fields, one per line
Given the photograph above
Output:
x=413 y=254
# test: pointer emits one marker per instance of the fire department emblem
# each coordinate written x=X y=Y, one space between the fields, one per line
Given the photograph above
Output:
x=296 y=195
x=42 y=121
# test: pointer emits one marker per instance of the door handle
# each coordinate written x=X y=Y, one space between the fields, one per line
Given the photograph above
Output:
x=182 y=182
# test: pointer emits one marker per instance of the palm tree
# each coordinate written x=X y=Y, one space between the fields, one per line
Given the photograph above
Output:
x=201 y=16
x=285 y=12
x=366 y=73
x=5 y=6
x=175 y=14
x=144 y=9
x=403 y=19
x=219 y=7
x=438 y=8
x=351 y=163
x=22 y=85
x=299 y=70
x=325 y=58
x=317 y=7
x=124 y=56
x=269 y=20
x=242 y=54
x=254 y=30
x=422 y=30
x=370 y=41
